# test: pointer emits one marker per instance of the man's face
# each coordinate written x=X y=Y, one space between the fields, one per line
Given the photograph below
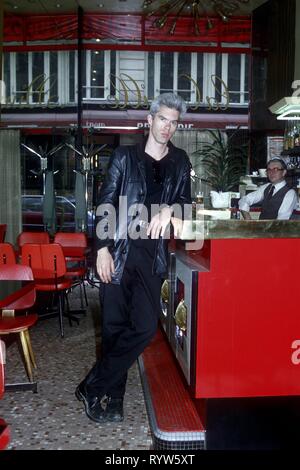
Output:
x=163 y=124
x=275 y=172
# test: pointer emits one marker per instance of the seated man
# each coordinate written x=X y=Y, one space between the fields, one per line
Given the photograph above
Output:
x=277 y=199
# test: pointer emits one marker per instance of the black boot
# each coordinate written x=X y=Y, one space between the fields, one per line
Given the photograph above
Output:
x=114 y=409
x=92 y=404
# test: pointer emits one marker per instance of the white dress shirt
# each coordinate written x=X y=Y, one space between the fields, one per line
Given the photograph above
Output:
x=288 y=204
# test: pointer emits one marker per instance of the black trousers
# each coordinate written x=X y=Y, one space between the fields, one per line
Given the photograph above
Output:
x=130 y=313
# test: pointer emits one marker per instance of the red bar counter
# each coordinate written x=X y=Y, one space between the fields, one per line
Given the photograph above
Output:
x=248 y=321
x=245 y=338
x=231 y=316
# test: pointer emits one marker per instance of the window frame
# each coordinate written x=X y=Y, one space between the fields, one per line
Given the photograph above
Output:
x=64 y=86
x=209 y=65
x=106 y=79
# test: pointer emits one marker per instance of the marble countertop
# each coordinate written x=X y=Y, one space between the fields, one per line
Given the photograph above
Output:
x=208 y=228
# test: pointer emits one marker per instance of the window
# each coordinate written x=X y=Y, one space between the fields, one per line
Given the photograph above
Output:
x=150 y=78
x=32 y=77
x=200 y=77
x=6 y=74
x=113 y=66
x=166 y=72
x=37 y=78
x=219 y=74
x=96 y=75
x=175 y=73
x=184 y=72
x=234 y=77
x=246 y=81
x=21 y=77
x=53 y=79
x=72 y=68
x=233 y=70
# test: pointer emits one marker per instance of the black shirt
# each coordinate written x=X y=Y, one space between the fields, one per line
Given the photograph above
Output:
x=155 y=177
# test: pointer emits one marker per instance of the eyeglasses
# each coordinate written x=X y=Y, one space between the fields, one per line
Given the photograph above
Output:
x=268 y=170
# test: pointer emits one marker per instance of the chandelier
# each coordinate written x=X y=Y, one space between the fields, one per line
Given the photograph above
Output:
x=196 y=8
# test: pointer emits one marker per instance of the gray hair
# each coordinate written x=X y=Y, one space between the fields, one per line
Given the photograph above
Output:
x=279 y=160
x=170 y=100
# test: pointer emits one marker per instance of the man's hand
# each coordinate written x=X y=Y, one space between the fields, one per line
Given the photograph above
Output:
x=159 y=223
x=178 y=226
x=105 y=265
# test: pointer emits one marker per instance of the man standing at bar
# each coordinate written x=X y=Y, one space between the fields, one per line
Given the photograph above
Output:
x=131 y=269
x=277 y=199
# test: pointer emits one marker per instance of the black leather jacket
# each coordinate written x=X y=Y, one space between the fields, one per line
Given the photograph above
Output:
x=126 y=176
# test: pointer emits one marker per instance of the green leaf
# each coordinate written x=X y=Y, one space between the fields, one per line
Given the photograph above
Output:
x=222 y=162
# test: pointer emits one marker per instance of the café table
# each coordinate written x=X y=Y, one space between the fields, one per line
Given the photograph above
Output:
x=10 y=292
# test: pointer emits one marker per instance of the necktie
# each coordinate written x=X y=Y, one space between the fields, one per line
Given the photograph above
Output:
x=271 y=191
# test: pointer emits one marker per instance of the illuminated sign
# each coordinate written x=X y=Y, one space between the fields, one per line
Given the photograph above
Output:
x=137 y=125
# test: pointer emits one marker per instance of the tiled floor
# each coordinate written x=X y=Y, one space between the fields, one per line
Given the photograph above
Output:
x=53 y=418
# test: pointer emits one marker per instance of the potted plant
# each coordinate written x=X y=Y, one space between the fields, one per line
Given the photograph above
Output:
x=221 y=163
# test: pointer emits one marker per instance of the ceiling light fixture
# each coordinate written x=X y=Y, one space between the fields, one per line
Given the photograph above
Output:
x=287 y=108
x=196 y=8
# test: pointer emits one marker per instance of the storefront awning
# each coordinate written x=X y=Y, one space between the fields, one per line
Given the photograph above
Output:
x=120 y=120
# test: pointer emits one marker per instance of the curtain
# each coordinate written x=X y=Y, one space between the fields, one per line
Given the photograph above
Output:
x=122 y=27
x=10 y=183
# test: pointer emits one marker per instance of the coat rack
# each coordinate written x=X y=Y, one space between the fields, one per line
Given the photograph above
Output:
x=49 y=216
x=87 y=154
x=43 y=156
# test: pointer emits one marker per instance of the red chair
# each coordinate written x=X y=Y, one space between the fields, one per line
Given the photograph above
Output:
x=32 y=237
x=2 y=232
x=48 y=264
x=4 y=429
x=72 y=240
x=10 y=324
x=7 y=254
x=74 y=245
